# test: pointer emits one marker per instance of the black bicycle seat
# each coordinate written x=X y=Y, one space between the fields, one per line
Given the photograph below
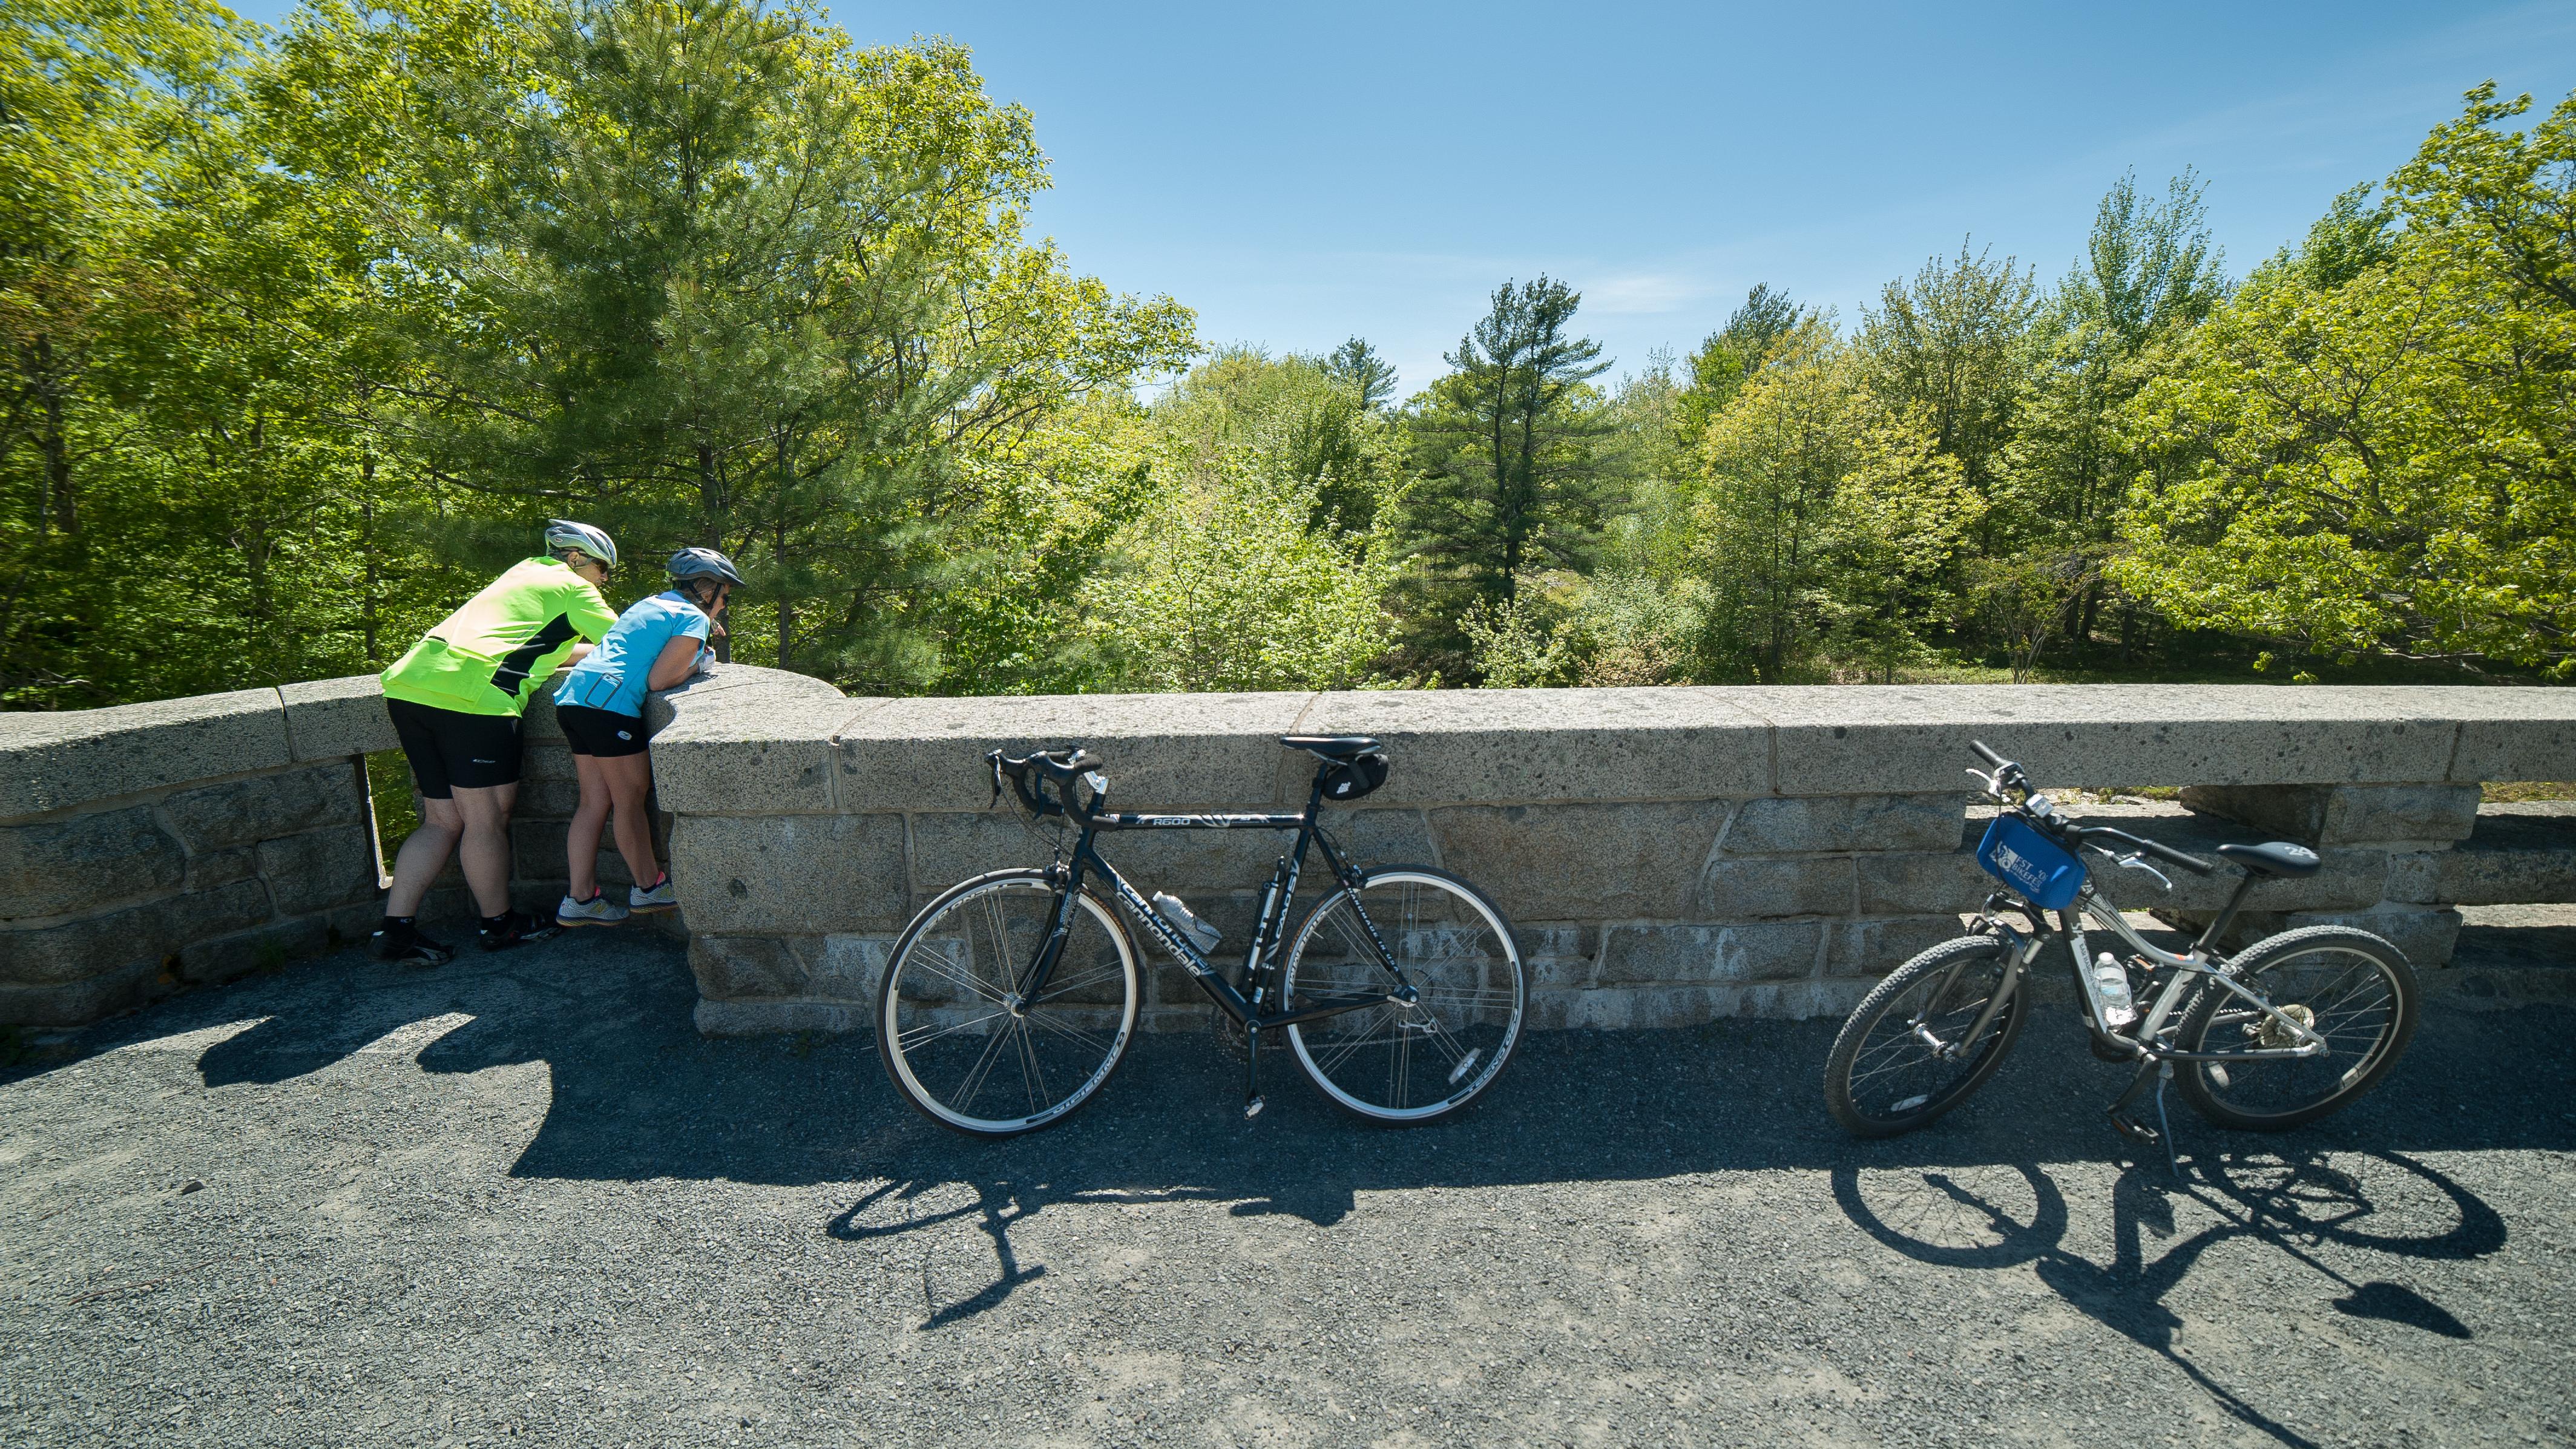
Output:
x=1332 y=747
x=2277 y=857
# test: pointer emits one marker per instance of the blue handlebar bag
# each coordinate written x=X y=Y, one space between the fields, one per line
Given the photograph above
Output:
x=2039 y=868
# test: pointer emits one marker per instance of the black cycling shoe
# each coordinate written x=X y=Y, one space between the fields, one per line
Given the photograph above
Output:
x=517 y=928
x=405 y=944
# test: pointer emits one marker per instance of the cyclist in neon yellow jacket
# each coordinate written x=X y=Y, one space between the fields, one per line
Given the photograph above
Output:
x=456 y=698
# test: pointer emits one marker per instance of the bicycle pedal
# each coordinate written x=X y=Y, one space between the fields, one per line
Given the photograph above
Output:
x=1252 y=1107
x=2137 y=1132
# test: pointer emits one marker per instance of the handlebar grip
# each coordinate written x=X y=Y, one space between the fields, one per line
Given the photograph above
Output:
x=1987 y=755
x=2171 y=856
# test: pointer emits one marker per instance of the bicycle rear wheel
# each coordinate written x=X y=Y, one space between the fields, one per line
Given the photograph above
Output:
x=961 y=1041
x=1406 y=1062
x=1883 y=1077
x=2356 y=991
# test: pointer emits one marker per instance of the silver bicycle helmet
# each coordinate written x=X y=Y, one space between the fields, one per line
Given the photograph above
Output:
x=564 y=533
x=701 y=563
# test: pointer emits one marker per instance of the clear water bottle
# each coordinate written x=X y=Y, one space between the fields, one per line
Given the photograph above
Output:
x=2111 y=991
x=1200 y=932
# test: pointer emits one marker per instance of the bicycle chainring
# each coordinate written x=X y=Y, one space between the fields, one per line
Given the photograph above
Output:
x=1228 y=1033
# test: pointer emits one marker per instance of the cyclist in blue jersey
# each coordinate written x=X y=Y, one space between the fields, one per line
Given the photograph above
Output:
x=655 y=645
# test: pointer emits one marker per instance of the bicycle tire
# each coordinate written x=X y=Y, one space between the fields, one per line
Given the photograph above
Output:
x=1846 y=1066
x=1456 y=947
x=926 y=997
x=2211 y=1087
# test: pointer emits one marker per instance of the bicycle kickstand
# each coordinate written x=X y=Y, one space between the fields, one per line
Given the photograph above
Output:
x=1251 y=1072
x=2159 y=1072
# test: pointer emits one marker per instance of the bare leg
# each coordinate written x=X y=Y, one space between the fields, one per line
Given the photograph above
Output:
x=581 y=843
x=630 y=781
x=422 y=856
x=484 y=848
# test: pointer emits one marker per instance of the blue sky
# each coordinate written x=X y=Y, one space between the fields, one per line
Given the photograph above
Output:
x=1300 y=175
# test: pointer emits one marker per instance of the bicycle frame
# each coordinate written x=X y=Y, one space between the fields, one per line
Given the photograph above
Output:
x=2144 y=1035
x=1267 y=934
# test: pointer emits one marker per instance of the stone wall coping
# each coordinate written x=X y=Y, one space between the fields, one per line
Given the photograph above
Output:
x=806 y=747
x=1702 y=742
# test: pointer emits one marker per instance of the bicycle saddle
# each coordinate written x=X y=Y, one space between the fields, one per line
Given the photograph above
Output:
x=2277 y=857
x=1333 y=747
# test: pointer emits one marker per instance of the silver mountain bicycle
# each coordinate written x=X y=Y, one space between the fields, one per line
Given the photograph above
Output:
x=2293 y=1027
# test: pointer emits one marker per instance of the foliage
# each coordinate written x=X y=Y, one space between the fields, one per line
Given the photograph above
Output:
x=2384 y=464
x=1509 y=481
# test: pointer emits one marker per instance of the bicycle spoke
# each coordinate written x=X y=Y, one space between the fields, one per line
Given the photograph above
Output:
x=924 y=1035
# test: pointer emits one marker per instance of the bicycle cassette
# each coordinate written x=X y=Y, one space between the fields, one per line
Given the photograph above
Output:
x=1228 y=1033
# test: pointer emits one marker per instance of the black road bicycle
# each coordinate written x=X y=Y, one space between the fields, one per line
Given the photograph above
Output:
x=1012 y=997
x=2293 y=1027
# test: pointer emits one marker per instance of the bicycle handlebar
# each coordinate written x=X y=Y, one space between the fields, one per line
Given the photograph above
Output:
x=2158 y=849
x=1987 y=755
x=1058 y=767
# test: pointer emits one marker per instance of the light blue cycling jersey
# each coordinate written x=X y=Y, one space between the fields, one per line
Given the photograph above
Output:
x=613 y=677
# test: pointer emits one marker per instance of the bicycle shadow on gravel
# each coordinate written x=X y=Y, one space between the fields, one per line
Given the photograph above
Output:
x=634 y=1093
x=2288 y=1195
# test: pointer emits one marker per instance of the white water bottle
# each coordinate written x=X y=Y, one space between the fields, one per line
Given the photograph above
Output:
x=1205 y=935
x=2111 y=991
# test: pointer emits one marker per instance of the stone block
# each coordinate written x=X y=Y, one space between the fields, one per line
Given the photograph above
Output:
x=1665 y=1007
x=79 y=862
x=1755 y=887
x=1162 y=750
x=546 y=799
x=790 y=874
x=1576 y=862
x=262 y=948
x=1379 y=837
x=77 y=1003
x=730 y=968
x=1875 y=947
x=221 y=867
x=2426 y=936
x=329 y=719
x=319 y=870
x=1757 y=951
x=852 y=966
x=1773 y=825
x=1913 y=885
x=544 y=760
x=2511 y=859
x=2344 y=814
x=1558 y=955
x=61 y=759
x=116 y=940
x=777 y=1018
x=1548 y=744
x=1903 y=739
x=2509 y=734
x=263 y=807
x=735 y=747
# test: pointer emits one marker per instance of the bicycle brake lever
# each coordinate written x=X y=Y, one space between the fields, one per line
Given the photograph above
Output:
x=2135 y=860
x=1994 y=787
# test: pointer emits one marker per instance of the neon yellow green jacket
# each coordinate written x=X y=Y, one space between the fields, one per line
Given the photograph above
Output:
x=495 y=653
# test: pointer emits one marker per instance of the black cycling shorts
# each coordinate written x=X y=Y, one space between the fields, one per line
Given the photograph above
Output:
x=448 y=747
x=600 y=732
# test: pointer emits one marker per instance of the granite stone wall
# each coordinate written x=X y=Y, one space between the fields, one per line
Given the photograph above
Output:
x=1666 y=855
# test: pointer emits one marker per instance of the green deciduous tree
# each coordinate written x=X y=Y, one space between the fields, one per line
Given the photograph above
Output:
x=2382 y=460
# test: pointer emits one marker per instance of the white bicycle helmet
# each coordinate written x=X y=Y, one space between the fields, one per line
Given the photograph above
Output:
x=564 y=533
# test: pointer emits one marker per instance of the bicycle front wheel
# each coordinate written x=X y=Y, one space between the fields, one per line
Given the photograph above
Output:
x=965 y=1041
x=1904 y=1056
x=2351 y=987
x=1406 y=1062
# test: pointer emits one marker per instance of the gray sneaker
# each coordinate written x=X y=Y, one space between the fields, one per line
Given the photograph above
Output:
x=660 y=898
x=599 y=910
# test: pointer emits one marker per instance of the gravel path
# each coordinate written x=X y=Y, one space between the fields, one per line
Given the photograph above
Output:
x=519 y=1201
